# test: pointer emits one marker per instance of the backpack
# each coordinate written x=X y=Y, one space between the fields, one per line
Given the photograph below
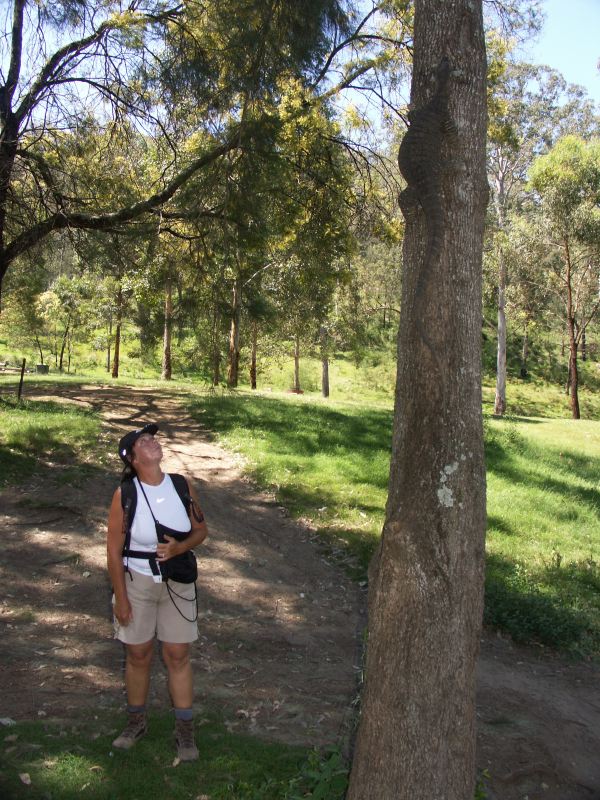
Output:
x=182 y=568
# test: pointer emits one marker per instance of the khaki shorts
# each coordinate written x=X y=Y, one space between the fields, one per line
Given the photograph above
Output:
x=155 y=614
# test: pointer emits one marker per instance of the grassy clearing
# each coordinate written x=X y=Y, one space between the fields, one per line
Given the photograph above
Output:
x=40 y=429
x=328 y=463
x=537 y=398
x=68 y=762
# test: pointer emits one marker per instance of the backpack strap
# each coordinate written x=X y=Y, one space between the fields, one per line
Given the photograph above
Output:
x=129 y=505
x=183 y=490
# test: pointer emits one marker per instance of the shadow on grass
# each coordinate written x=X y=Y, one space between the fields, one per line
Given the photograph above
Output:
x=35 y=429
x=305 y=429
x=64 y=761
x=511 y=456
x=540 y=605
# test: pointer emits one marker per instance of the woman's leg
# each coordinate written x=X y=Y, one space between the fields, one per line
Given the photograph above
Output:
x=137 y=672
x=179 y=666
x=137 y=680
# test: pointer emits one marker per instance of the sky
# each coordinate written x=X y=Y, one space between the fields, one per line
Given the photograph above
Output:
x=570 y=42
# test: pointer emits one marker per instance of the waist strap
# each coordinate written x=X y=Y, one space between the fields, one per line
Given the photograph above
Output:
x=149 y=555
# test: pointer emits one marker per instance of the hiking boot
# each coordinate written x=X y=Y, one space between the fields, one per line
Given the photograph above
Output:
x=184 y=738
x=136 y=727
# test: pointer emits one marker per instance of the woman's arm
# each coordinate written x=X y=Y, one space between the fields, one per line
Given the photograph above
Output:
x=198 y=533
x=115 y=539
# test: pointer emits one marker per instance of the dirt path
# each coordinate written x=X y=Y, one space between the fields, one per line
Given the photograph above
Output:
x=280 y=626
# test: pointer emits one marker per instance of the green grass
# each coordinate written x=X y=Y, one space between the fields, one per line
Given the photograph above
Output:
x=39 y=429
x=65 y=762
x=328 y=463
x=544 y=530
x=538 y=398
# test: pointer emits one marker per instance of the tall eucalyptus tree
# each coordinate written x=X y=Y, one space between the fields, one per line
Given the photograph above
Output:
x=416 y=735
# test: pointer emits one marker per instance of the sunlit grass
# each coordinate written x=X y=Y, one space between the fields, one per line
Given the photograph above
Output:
x=328 y=463
x=69 y=761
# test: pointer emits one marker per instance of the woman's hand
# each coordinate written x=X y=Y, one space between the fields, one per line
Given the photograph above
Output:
x=122 y=610
x=168 y=549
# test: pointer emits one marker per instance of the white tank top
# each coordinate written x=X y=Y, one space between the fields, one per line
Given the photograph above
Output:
x=167 y=508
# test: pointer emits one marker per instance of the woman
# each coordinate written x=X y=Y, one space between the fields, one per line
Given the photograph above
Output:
x=144 y=604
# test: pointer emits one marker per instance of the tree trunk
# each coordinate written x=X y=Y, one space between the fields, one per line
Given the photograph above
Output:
x=233 y=360
x=115 y=367
x=324 y=362
x=37 y=340
x=416 y=734
x=500 y=401
x=166 y=361
x=573 y=380
x=253 y=356
x=297 y=388
x=216 y=350
x=180 y=320
x=109 y=342
x=583 y=346
x=63 y=345
x=525 y=352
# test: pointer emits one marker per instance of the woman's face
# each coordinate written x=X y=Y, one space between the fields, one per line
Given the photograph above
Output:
x=146 y=450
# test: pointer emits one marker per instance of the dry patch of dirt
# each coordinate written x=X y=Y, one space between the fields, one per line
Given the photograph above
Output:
x=280 y=626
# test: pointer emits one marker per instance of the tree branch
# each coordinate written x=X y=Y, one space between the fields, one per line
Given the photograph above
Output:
x=16 y=50
x=100 y=222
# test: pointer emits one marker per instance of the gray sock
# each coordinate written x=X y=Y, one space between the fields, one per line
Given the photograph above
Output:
x=184 y=713
x=136 y=709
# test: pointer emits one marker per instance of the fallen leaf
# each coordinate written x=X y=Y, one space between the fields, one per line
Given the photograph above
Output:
x=96 y=768
x=176 y=762
x=12 y=738
x=24 y=776
x=86 y=574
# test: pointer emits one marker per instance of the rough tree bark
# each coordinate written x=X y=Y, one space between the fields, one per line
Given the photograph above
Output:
x=416 y=734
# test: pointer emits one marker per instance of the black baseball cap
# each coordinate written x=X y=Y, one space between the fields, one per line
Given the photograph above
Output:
x=126 y=442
